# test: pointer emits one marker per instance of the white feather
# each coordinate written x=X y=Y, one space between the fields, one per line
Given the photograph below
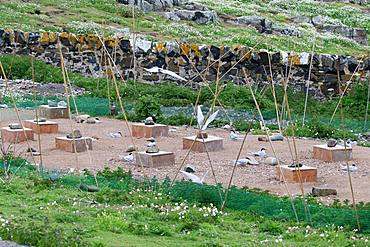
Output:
x=194 y=178
x=200 y=117
x=209 y=120
x=166 y=72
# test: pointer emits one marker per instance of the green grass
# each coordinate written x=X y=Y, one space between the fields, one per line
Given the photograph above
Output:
x=106 y=16
x=40 y=212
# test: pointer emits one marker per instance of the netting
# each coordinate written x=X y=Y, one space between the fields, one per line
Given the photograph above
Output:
x=259 y=203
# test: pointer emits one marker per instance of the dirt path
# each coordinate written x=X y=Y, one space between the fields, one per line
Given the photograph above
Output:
x=106 y=151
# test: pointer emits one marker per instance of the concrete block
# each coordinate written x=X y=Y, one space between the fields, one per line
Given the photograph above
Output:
x=140 y=130
x=53 y=112
x=212 y=143
x=291 y=174
x=331 y=154
x=82 y=144
x=161 y=158
x=47 y=127
x=16 y=135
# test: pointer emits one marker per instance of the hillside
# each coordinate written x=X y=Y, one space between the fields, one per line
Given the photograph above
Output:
x=290 y=25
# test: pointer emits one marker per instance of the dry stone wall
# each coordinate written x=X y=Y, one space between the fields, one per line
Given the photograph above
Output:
x=85 y=54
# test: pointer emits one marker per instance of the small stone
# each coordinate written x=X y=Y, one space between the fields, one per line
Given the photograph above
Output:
x=202 y=135
x=91 y=121
x=62 y=104
x=40 y=120
x=15 y=126
x=323 y=192
x=153 y=149
x=294 y=164
x=332 y=143
x=272 y=161
x=52 y=103
x=75 y=135
x=131 y=149
x=89 y=188
x=277 y=137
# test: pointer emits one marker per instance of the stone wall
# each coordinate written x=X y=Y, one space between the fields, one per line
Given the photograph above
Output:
x=85 y=54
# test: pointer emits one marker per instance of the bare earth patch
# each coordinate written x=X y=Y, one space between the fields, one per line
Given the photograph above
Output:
x=106 y=151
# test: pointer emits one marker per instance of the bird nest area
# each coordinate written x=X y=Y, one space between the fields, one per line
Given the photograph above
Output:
x=108 y=151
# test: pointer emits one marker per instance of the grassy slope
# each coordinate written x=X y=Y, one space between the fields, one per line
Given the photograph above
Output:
x=39 y=212
x=105 y=14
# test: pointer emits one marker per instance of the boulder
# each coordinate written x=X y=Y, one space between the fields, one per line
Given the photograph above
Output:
x=151 y=5
x=261 y=24
x=323 y=192
x=198 y=16
x=318 y=21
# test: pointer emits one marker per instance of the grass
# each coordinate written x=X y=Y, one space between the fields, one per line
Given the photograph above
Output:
x=108 y=17
x=43 y=212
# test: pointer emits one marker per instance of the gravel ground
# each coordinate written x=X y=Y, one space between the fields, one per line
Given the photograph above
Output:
x=106 y=152
x=10 y=244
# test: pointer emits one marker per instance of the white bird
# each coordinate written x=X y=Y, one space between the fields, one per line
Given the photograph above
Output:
x=246 y=161
x=200 y=118
x=128 y=158
x=227 y=127
x=234 y=135
x=261 y=153
x=116 y=135
x=194 y=178
x=351 y=168
x=166 y=72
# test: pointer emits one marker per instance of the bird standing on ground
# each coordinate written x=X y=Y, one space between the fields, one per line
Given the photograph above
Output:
x=248 y=160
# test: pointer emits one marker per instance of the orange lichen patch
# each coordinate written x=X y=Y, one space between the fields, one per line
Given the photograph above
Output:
x=160 y=46
x=195 y=49
x=44 y=40
x=93 y=42
x=111 y=42
x=184 y=49
x=294 y=59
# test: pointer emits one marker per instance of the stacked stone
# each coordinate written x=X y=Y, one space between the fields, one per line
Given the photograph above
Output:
x=85 y=54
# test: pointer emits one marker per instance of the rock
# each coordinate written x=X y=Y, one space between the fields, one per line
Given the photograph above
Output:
x=62 y=104
x=52 y=103
x=91 y=120
x=261 y=24
x=151 y=5
x=75 y=135
x=289 y=31
x=277 y=137
x=131 y=149
x=153 y=149
x=202 y=135
x=199 y=17
x=318 y=21
x=323 y=192
x=113 y=110
x=82 y=118
x=272 y=161
x=189 y=169
x=294 y=164
x=89 y=188
x=15 y=126
x=40 y=120
x=171 y=16
x=331 y=143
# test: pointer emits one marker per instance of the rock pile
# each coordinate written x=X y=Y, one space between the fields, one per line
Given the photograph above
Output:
x=25 y=87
